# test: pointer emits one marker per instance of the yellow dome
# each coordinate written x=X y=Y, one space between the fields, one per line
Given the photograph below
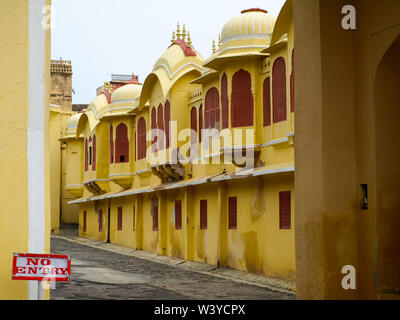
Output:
x=176 y=57
x=252 y=24
x=127 y=93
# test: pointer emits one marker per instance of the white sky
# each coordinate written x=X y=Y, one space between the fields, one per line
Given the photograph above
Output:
x=124 y=36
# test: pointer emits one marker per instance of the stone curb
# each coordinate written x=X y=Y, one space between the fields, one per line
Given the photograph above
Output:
x=271 y=283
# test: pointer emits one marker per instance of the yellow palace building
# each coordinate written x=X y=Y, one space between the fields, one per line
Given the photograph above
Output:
x=197 y=162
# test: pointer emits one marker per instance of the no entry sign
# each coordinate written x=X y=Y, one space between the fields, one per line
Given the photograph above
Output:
x=41 y=267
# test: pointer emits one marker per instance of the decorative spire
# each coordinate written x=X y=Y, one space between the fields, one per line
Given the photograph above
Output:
x=178 y=31
x=214 y=50
x=184 y=33
x=219 y=42
x=173 y=37
x=189 y=40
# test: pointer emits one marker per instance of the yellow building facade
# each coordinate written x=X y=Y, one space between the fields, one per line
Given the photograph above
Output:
x=60 y=111
x=196 y=162
x=24 y=142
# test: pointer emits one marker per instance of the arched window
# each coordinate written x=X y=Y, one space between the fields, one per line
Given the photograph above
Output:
x=167 y=119
x=111 y=144
x=153 y=126
x=160 y=126
x=292 y=85
x=141 y=136
x=224 y=102
x=279 y=89
x=86 y=155
x=267 y=102
x=193 y=125
x=94 y=153
x=211 y=110
x=121 y=144
x=201 y=125
x=242 y=100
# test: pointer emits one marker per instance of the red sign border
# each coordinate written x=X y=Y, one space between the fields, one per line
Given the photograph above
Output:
x=33 y=255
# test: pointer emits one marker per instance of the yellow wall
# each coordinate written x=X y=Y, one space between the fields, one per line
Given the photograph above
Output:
x=343 y=136
x=15 y=82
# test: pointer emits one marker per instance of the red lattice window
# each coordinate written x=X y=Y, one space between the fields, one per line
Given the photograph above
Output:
x=211 y=110
x=141 y=136
x=94 y=153
x=100 y=217
x=167 y=119
x=285 y=210
x=201 y=125
x=178 y=214
x=84 y=221
x=279 y=90
x=225 y=102
x=193 y=125
x=121 y=144
x=203 y=214
x=154 y=208
x=160 y=126
x=267 y=102
x=119 y=219
x=292 y=85
x=242 y=100
x=232 y=209
x=153 y=126
x=111 y=144
x=86 y=155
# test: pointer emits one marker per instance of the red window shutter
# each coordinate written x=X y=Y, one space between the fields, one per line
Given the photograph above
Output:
x=86 y=156
x=225 y=102
x=160 y=126
x=232 y=208
x=178 y=214
x=141 y=145
x=84 y=221
x=203 y=214
x=279 y=90
x=285 y=210
x=111 y=144
x=94 y=153
x=267 y=102
x=153 y=126
x=193 y=125
x=200 y=122
x=292 y=85
x=242 y=100
x=167 y=119
x=134 y=218
x=100 y=220
x=155 y=215
x=211 y=109
x=121 y=144
x=119 y=219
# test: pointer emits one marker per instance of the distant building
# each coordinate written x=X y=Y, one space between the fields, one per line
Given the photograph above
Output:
x=117 y=81
x=60 y=111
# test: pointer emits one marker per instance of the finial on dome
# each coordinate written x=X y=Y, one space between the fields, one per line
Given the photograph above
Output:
x=178 y=31
x=219 y=42
x=189 y=42
x=214 y=50
x=173 y=37
x=184 y=33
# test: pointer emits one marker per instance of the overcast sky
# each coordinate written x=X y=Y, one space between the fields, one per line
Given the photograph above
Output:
x=102 y=37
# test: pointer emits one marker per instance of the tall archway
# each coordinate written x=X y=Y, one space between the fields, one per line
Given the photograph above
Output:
x=387 y=148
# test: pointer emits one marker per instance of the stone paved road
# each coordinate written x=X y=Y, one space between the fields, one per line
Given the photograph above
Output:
x=98 y=274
